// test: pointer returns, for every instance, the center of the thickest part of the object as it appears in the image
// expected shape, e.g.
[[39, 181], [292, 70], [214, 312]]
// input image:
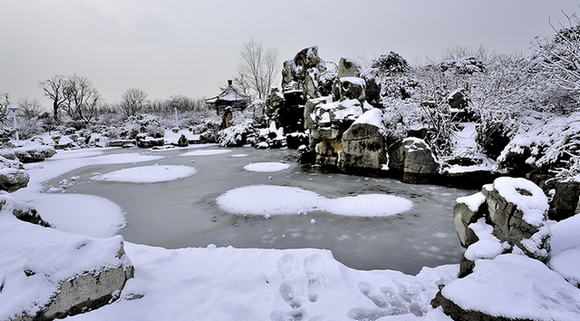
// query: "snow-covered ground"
[[241, 284]]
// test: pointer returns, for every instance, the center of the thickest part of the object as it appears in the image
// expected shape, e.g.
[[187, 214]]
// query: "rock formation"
[[12, 174], [34, 153], [415, 159], [75, 277]]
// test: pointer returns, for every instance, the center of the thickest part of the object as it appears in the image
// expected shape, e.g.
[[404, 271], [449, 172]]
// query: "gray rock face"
[[348, 67], [363, 146], [415, 158], [466, 211], [510, 217], [34, 153], [12, 175], [514, 210], [566, 200], [352, 88], [182, 141]]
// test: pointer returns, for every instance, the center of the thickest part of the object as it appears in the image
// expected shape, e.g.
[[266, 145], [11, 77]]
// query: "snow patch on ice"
[[266, 167], [206, 152], [283, 200], [148, 174]]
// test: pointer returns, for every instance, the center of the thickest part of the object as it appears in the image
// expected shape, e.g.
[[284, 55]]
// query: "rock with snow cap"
[[12, 174], [70, 278], [31, 153], [363, 144], [518, 210], [510, 287], [415, 159], [352, 88]]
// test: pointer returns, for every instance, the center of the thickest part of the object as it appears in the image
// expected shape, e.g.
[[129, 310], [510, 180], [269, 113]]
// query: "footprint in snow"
[[388, 301]]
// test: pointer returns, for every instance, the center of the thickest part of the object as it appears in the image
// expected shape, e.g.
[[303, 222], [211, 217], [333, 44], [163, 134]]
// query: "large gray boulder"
[[518, 210], [352, 88], [348, 67], [510, 287], [363, 144], [565, 202], [34, 153], [12, 174], [69, 278], [416, 160], [508, 216], [466, 211]]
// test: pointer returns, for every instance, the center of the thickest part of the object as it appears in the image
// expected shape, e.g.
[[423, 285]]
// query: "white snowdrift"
[[266, 167], [517, 287], [206, 152], [148, 174], [282, 200]]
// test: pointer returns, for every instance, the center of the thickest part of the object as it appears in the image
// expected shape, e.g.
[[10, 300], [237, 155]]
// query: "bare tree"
[[82, 98], [4, 104], [133, 101], [561, 54], [29, 107], [258, 67], [53, 89]]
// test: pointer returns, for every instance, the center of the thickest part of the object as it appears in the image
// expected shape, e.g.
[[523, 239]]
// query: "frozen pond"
[[184, 212]]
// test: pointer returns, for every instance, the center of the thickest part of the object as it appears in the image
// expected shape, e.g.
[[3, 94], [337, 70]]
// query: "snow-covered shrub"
[[390, 63], [464, 65], [236, 135], [550, 143]]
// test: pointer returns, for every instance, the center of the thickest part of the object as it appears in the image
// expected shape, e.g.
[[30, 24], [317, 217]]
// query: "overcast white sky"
[[192, 47]]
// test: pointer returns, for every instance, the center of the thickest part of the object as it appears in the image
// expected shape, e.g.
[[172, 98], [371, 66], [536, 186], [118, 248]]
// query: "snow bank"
[[80, 214], [517, 287], [266, 167], [148, 174], [283, 200]]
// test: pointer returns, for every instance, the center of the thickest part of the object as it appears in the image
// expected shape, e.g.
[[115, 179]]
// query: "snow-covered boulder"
[[12, 174], [352, 88], [235, 135], [363, 144], [510, 287], [146, 141], [348, 67], [518, 210], [415, 159], [33, 152], [23, 211], [64, 279], [466, 211], [508, 216]]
